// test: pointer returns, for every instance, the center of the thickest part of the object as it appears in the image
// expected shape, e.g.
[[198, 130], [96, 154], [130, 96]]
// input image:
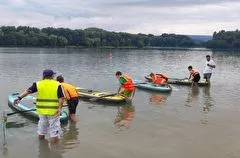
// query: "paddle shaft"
[[4, 122], [12, 113], [108, 95], [176, 78]]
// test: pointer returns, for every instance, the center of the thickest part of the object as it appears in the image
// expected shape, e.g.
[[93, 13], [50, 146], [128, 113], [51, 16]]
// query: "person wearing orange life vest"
[[126, 88], [194, 74], [71, 95], [159, 79], [48, 103]]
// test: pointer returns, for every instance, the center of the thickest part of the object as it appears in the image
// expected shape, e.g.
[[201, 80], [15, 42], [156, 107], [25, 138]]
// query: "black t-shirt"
[[33, 89]]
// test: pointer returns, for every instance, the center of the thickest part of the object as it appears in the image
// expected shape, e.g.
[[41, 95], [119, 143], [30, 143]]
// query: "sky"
[[189, 17]]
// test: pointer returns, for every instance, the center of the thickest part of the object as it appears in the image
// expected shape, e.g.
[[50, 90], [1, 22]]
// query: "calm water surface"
[[189, 122]]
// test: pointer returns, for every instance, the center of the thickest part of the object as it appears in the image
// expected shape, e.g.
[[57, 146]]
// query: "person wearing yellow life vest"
[[126, 88], [194, 74], [71, 95], [49, 101], [159, 79]]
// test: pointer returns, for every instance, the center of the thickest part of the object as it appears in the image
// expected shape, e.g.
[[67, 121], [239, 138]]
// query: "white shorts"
[[49, 124]]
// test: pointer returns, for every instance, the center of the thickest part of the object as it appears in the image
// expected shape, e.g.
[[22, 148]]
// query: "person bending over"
[[126, 88], [71, 95]]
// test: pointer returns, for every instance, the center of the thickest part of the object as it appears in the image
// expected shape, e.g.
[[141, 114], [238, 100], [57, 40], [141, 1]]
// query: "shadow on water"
[[125, 116]]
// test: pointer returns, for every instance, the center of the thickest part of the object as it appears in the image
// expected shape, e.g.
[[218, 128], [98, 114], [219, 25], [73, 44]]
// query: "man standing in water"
[[48, 103], [208, 70], [126, 88]]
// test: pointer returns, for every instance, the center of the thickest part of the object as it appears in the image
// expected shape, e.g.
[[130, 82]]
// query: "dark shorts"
[[207, 75], [196, 78], [72, 105]]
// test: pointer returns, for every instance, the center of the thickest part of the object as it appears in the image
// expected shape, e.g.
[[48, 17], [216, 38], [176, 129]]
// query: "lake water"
[[188, 122]]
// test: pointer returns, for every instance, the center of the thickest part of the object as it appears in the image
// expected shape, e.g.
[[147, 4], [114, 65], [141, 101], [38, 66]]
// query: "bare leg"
[[73, 118], [208, 81], [54, 139]]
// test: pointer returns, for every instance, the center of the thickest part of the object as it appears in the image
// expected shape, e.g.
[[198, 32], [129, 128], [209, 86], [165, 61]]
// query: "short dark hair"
[[151, 74], [60, 78], [118, 73], [190, 67], [207, 56]]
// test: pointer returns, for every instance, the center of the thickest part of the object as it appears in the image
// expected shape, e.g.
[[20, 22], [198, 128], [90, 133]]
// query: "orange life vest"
[[159, 79], [69, 91], [128, 85], [193, 72], [163, 76]]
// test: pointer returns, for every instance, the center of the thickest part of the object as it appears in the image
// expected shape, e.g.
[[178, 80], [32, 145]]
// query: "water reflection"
[[47, 150], [158, 100], [192, 97], [125, 116], [16, 124], [5, 151], [70, 136], [208, 101], [68, 141]]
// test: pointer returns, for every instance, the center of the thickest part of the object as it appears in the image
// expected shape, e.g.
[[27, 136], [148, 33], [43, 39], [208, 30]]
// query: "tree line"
[[224, 40], [95, 37], [90, 37]]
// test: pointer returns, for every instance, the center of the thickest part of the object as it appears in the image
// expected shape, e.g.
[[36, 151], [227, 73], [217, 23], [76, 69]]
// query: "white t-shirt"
[[209, 69]]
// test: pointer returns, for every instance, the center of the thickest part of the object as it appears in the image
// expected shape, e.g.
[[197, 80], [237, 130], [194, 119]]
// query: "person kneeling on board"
[[159, 79]]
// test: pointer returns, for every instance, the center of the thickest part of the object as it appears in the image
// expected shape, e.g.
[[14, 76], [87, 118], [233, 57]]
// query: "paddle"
[[176, 78], [139, 82], [16, 112], [103, 96], [4, 124]]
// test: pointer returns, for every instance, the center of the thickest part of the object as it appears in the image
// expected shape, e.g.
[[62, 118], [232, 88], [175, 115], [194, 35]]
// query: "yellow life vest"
[[70, 91], [47, 99]]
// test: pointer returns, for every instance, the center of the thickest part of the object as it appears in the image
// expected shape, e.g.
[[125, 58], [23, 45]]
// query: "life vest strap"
[[47, 107], [47, 100]]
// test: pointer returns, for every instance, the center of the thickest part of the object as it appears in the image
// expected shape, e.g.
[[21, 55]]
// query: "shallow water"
[[188, 122]]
